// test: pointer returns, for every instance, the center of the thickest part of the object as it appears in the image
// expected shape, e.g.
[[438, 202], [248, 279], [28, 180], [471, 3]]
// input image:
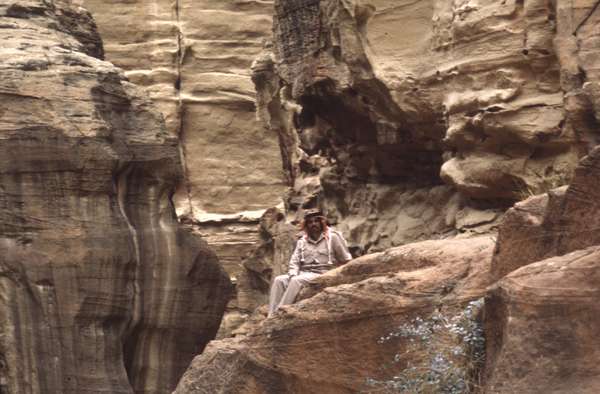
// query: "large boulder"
[[101, 290], [367, 332], [542, 314], [542, 321]]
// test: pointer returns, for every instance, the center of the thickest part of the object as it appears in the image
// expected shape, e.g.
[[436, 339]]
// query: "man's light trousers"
[[285, 289]]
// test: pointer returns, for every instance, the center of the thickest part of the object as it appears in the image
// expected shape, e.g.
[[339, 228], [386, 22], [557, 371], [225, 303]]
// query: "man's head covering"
[[314, 212]]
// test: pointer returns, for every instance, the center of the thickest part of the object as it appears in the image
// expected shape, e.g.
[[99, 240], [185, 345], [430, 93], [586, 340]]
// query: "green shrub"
[[440, 354]]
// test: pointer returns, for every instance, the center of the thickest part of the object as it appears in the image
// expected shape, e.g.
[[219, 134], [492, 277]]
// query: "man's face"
[[313, 224]]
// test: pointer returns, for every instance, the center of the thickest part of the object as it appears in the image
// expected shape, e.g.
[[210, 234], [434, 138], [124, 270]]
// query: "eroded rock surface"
[[438, 114], [101, 290], [332, 341], [197, 69], [562, 221], [541, 315], [381, 98], [539, 322]]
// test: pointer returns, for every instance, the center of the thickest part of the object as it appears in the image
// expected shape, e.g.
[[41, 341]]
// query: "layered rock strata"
[[197, 69], [378, 322], [487, 102], [539, 319], [194, 58], [101, 290]]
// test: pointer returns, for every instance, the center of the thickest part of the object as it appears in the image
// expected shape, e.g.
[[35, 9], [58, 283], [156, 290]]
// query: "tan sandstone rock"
[[197, 69], [378, 103], [101, 290], [475, 85], [541, 316]]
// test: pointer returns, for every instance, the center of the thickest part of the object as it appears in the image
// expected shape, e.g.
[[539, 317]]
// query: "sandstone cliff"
[[194, 57], [101, 290], [400, 321], [415, 120], [407, 119]]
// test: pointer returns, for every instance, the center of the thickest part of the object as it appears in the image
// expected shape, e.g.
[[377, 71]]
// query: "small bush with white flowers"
[[442, 353]]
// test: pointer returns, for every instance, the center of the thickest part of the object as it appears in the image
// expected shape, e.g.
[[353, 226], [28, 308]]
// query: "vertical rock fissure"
[[181, 110], [121, 185]]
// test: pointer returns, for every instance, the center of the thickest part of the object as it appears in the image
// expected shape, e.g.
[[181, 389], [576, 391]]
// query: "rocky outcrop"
[[540, 320], [562, 221], [541, 316], [101, 290], [395, 320], [439, 114], [350, 337]]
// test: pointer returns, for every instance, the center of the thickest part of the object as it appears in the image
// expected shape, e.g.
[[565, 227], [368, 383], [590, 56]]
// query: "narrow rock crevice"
[[181, 110]]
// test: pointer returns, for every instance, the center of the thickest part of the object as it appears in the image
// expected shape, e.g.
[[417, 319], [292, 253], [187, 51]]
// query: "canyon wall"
[[414, 125], [413, 120], [411, 319], [194, 57], [101, 289], [406, 121]]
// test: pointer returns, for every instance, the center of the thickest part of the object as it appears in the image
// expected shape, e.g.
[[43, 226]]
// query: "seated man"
[[317, 251]]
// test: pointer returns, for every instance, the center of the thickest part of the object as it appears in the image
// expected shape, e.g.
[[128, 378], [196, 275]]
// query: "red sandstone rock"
[[328, 343], [562, 221], [542, 322]]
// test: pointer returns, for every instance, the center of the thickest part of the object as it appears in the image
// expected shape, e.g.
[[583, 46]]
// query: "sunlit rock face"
[[100, 289], [194, 58]]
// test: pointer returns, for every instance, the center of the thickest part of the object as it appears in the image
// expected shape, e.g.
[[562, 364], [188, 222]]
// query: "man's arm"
[[340, 248], [295, 260]]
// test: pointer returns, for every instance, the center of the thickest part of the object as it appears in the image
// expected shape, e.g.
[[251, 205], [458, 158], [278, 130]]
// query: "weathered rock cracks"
[[101, 290], [193, 57], [378, 322], [381, 106]]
